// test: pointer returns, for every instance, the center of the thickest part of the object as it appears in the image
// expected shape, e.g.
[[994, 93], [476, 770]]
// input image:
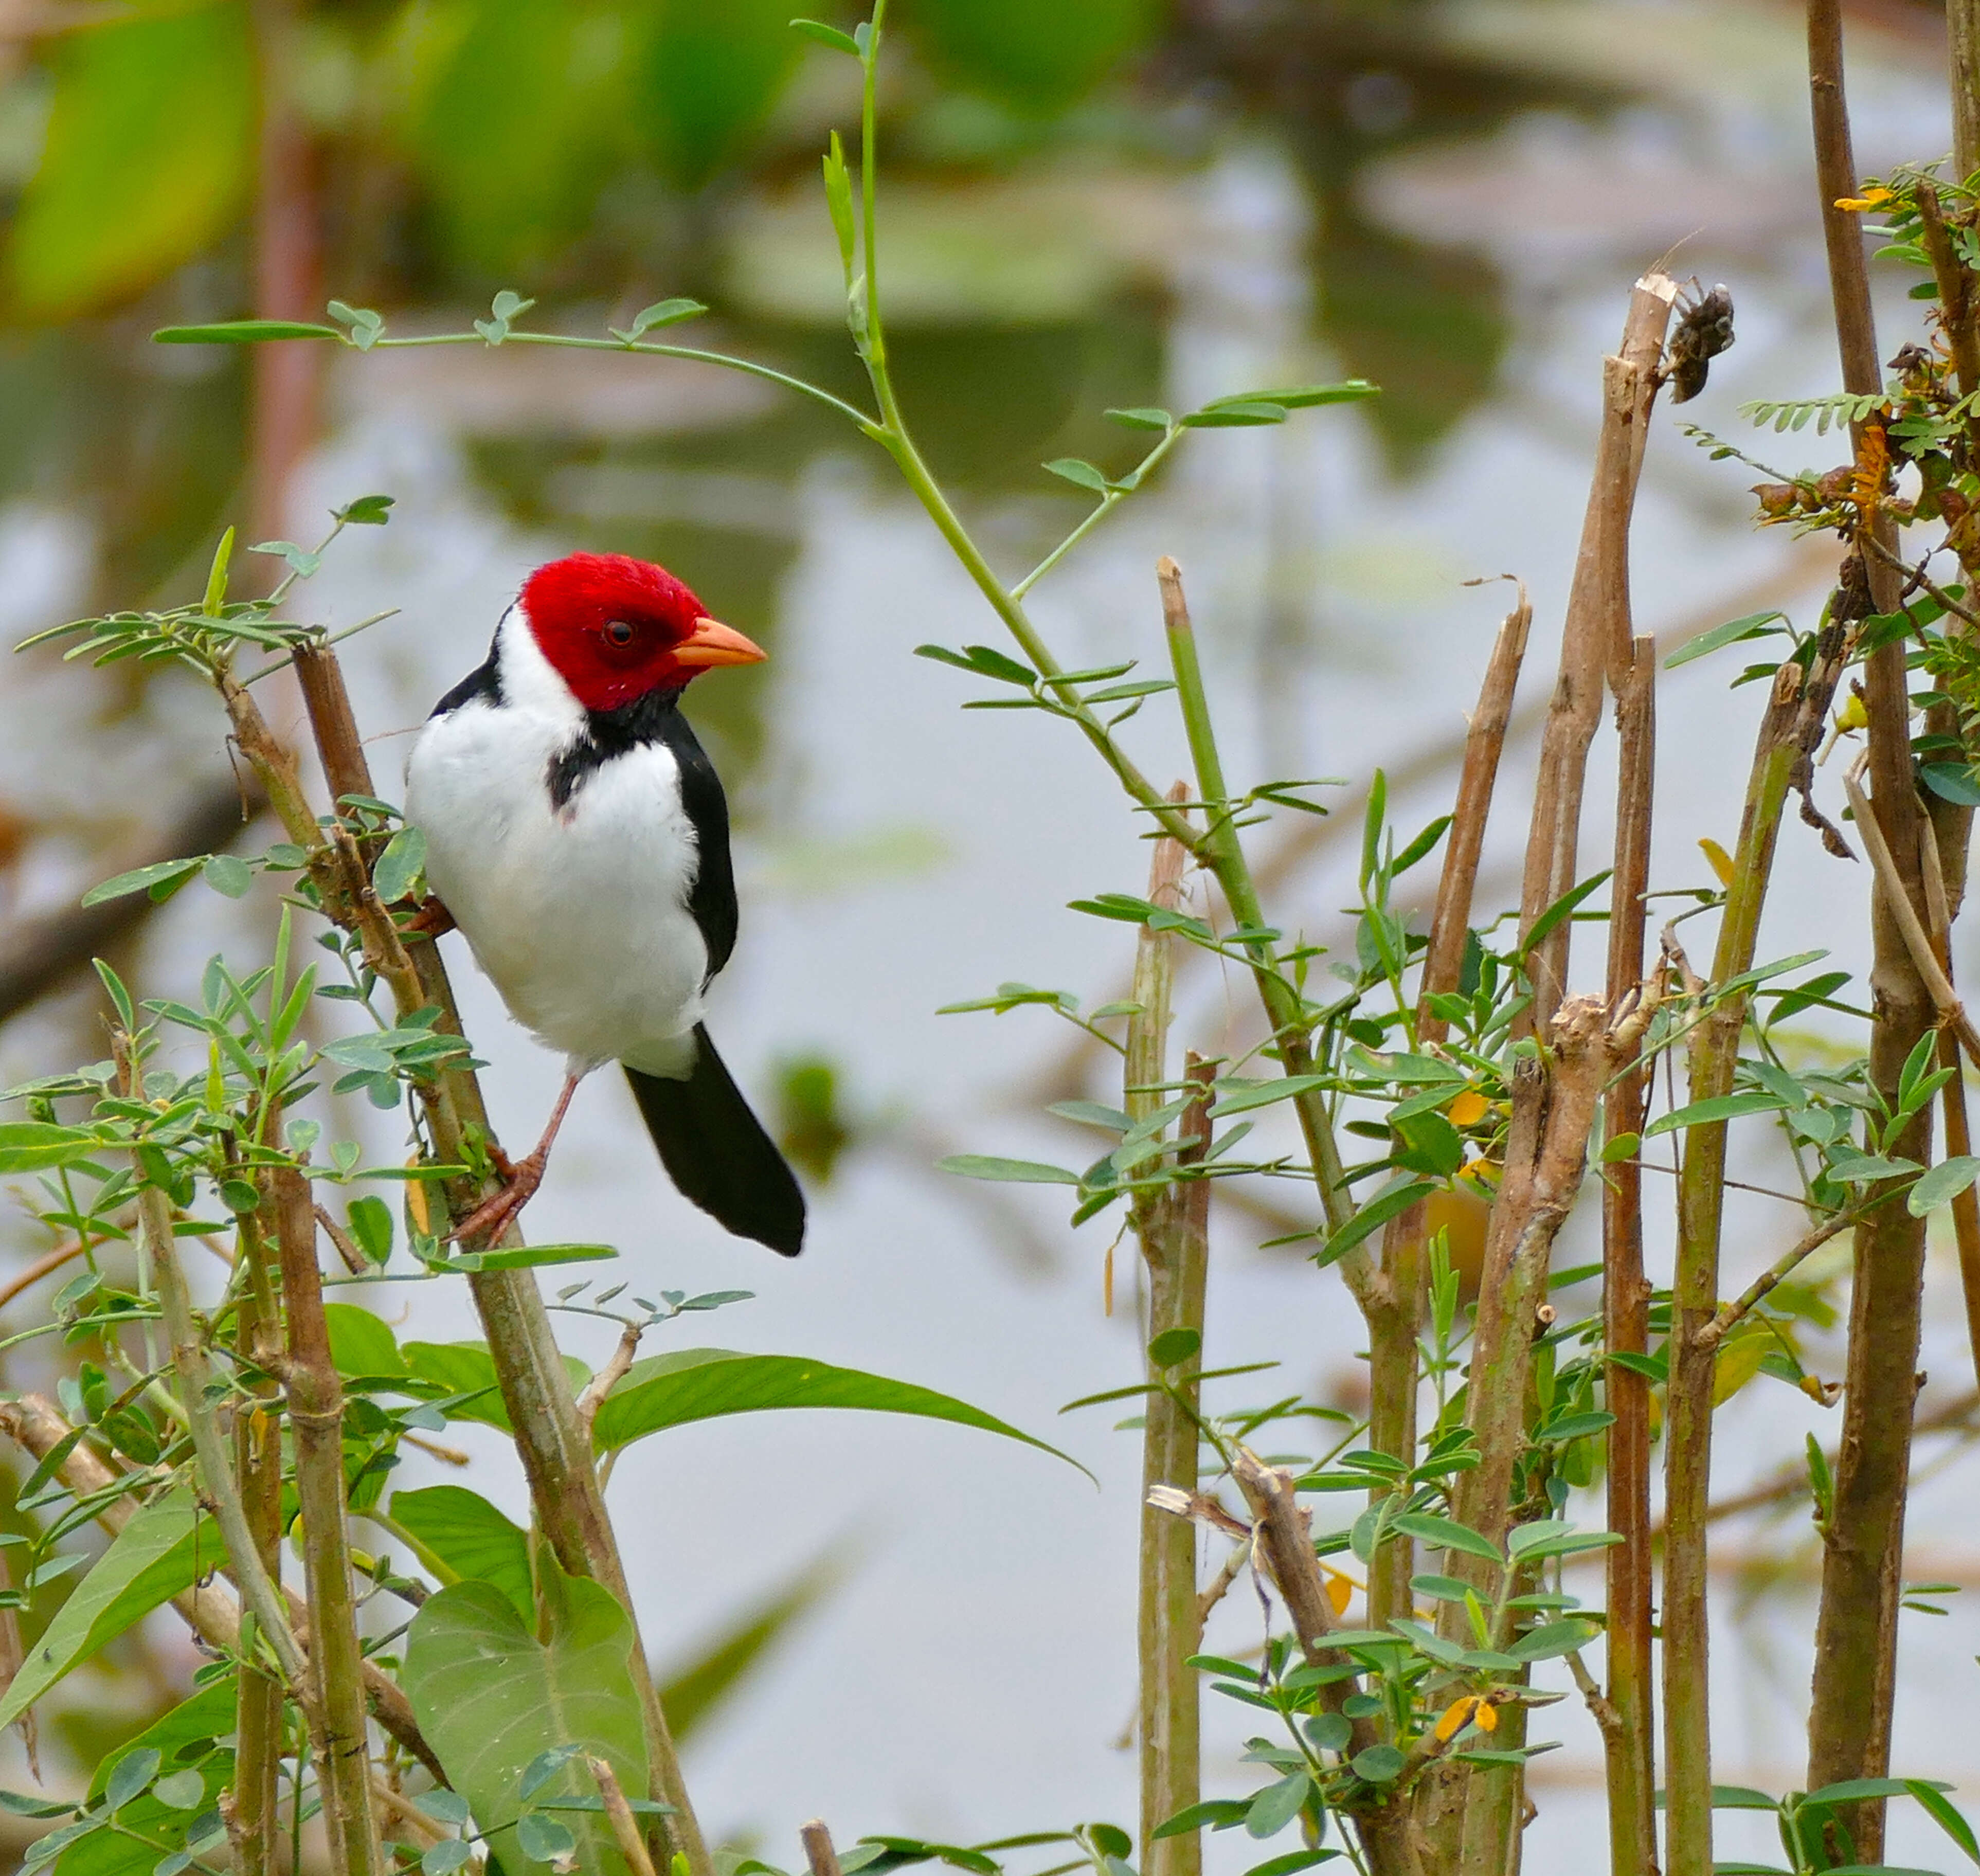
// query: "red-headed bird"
[[579, 837]]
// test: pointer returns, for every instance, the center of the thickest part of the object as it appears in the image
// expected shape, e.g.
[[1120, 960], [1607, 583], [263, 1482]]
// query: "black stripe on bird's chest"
[[656, 718]]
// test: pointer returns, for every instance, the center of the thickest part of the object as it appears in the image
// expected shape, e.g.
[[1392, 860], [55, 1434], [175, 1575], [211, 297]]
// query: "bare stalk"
[[1595, 636], [316, 1418], [1715, 1052], [1849, 1719], [552, 1438], [1283, 1537], [255, 1824], [1962, 25], [1629, 1734], [1394, 1325], [1965, 1206], [625, 1825], [1172, 1227], [1222, 851], [820, 1858]]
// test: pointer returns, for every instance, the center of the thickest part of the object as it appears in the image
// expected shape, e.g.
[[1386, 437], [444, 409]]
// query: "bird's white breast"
[[578, 914]]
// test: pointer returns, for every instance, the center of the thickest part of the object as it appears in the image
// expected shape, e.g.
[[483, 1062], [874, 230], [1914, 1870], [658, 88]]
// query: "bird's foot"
[[433, 920], [493, 1216]]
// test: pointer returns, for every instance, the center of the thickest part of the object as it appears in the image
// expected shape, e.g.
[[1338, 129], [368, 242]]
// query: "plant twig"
[[316, 1418], [1714, 1057], [1283, 1537], [1594, 636], [1713, 1332], [1965, 1204], [625, 1827], [820, 1857], [1172, 1226], [1918, 942], [1629, 1735], [1393, 1326]]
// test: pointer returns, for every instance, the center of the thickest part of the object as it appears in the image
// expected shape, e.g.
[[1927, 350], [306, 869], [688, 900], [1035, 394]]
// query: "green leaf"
[[1753, 626], [1946, 1814], [1277, 1805], [708, 1383], [838, 200], [399, 865], [1304, 396], [368, 511], [1715, 1108], [466, 1368], [1292, 1861], [1942, 1183], [145, 162], [166, 874], [185, 1789], [661, 313], [132, 1774], [359, 1344], [163, 1551], [1952, 782], [1234, 1097], [242, 332], [1141, 417], [228, 874], [1445, 1534], [1553, 1639], [208, 1715], [491, 1698], [1377, 1764], [526, 1256], [461, 1537], [1231, 415], [369, 1219], [1854, 1791], [1021, 1172], [1394, 1199], [37, 1146], [826, 35], [1219, 1814], [1562, 907], [1071, 469], [1173, 1346]]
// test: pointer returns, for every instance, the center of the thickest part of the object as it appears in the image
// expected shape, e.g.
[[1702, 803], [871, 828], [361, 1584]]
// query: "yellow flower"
[[1452, 1723], [1340, 1591], [1486, 1717], [1874, 197], [1468, 1109], [1721, 861], [1852, 716]]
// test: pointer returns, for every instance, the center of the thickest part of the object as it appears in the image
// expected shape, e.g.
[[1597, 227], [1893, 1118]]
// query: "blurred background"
[[1087, 203]]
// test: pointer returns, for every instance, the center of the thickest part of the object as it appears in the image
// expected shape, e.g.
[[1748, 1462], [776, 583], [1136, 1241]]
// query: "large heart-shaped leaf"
[[491, 1698], [706, 1383], [467, 1538]]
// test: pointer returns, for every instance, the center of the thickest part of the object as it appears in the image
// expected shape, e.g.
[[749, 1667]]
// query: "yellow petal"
[[1452, 1723], [416, 1201], [1339, 1592], [1852, 716], [1721, 861], [1487, 1717], [1468, 1109], [1874, 197]]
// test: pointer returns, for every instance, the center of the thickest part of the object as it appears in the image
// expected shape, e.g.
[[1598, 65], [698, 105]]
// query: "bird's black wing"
[[656, 718]]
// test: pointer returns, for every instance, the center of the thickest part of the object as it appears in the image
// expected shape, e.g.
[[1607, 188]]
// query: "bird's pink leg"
[[521, 1179]]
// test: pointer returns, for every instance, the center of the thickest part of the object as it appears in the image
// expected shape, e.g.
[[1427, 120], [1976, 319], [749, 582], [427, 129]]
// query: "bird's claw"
[[493, 1216], [433, 920]]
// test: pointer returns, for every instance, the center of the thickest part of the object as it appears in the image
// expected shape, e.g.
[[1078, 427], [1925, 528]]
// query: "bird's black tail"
[[716, 1150]]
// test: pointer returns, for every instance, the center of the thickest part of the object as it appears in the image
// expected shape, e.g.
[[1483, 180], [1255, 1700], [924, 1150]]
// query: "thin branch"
[[625, 1826], [1892, 893], [820, 1857], [1716, 1331], [1965, 1204]]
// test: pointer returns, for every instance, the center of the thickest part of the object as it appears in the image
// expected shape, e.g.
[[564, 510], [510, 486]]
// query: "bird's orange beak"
[[712, 643]]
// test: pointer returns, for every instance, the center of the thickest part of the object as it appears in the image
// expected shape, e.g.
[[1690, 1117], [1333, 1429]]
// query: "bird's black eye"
[[620, 632]]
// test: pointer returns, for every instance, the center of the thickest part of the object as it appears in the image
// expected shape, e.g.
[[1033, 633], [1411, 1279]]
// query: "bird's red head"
[[614, 628]]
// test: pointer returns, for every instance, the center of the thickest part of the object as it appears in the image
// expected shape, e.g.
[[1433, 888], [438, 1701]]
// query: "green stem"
[[1107, 504], [316, 1420], [1715, 1051]]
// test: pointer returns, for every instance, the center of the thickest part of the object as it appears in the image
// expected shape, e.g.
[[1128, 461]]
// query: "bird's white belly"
[[578, 914]]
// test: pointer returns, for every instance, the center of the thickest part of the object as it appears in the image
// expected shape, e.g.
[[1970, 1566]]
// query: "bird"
[[577, 835]]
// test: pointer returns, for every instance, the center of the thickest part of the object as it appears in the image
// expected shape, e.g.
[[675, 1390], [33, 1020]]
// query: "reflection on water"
[[1452, 203]]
